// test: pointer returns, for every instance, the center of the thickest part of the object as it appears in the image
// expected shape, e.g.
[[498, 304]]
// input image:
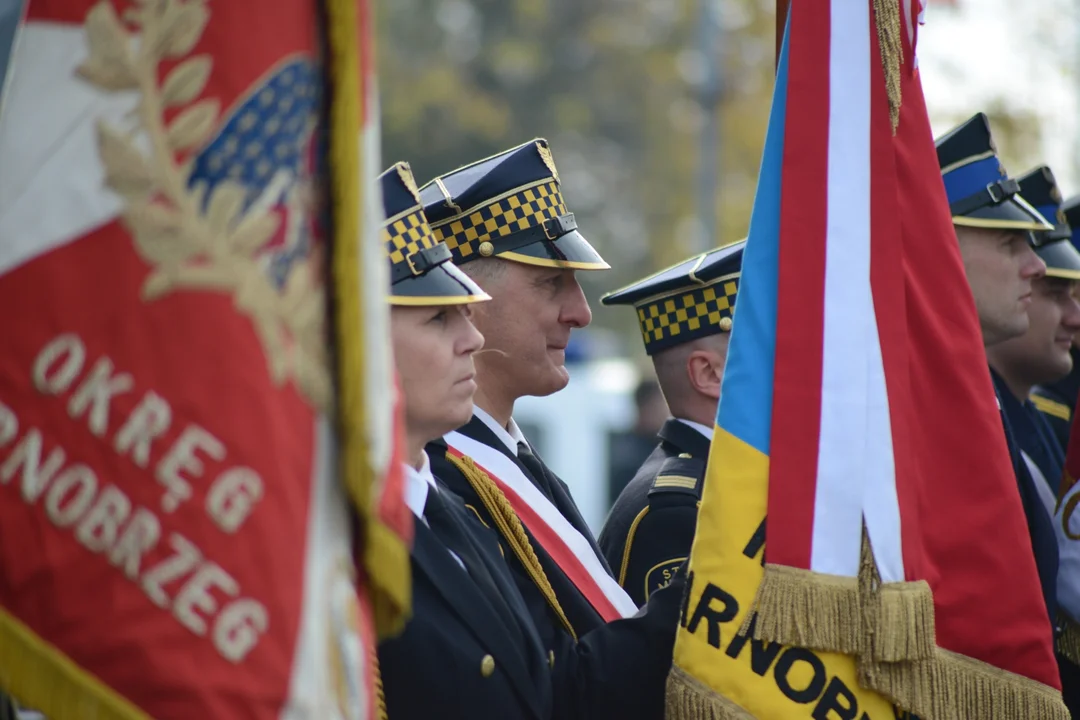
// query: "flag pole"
[[782, 7]]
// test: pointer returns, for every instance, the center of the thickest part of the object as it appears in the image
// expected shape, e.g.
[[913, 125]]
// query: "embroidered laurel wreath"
[[195, 242]]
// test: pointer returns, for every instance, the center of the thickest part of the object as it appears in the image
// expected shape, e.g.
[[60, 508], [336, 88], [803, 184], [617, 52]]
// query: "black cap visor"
[[571, 251], [1012, 214], [1061, 258], [444, 284]]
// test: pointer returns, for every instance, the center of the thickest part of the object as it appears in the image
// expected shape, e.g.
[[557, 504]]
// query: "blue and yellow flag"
[[720, 672], [871, 592]]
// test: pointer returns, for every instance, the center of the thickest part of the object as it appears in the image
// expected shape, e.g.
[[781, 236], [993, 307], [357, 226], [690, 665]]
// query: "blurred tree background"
[[623, 91]]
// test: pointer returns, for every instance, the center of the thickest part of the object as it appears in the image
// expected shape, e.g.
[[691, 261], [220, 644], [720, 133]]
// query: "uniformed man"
[[995, 228], [685, 314], [1057, 400], [1042, 354], [505, 221]]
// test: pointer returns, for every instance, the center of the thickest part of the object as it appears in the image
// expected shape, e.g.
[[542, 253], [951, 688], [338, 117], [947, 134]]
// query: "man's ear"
[[705, 369]]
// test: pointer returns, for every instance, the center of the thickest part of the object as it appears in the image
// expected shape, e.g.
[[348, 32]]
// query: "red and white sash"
[[570, 550]]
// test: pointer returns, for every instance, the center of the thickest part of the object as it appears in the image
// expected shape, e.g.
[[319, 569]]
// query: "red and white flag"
[[174, 533], [858, 441]]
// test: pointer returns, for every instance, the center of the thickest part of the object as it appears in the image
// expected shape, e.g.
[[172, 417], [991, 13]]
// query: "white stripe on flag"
[[48, 127], [842, 445], [506, 471]]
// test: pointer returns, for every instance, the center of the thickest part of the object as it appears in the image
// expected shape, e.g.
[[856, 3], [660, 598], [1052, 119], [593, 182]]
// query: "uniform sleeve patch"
[[661, 574], [680, 481]]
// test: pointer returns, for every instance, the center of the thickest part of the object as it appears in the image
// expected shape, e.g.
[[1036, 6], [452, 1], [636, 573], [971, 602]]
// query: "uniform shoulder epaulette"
[[682, 474], [1051, 407]]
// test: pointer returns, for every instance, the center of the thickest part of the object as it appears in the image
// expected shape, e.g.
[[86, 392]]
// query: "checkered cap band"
[[686, 316], [407, 235], [523, 210]]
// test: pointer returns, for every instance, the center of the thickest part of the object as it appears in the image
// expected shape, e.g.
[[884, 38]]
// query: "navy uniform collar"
[[684, 439]]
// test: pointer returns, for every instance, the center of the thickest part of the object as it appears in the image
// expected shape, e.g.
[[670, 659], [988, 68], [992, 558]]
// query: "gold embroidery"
[[545, 155], [190, 248], [890, 44]]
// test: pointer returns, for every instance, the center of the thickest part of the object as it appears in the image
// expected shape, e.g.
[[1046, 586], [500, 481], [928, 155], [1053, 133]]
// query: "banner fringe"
[[808, 609], [904, 631], [42, 678], [897, 617], [1069, 642], [690, 699], [955, 687]]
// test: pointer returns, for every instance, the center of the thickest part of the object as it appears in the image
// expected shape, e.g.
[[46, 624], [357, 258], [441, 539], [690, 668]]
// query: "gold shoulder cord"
[[510, 527]]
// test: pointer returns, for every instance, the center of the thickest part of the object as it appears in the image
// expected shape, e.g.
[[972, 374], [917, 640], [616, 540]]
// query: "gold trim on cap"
[[447, 197], [986, 223], [686, 289], [1062, 274], [436, 300], [405, 173], [546, 262], [967, 161], [545, 155]]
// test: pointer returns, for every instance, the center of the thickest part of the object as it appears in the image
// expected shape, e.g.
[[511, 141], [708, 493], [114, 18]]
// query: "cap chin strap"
[[994, 193], [549, 230], [420, 262]]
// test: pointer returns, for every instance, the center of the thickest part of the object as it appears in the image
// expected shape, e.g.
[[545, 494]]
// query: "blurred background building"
[[656, 113]]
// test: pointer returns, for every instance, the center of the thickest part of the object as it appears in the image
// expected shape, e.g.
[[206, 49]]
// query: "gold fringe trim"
[[807, 609], [386, 556], [897, 617], [890, 44], [690, 699], [904, 630], [1069, 642], [954, 687], [41, 677], [510, 527]]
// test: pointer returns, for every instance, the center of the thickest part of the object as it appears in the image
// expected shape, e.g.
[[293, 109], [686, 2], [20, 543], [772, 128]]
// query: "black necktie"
[[535, 468]]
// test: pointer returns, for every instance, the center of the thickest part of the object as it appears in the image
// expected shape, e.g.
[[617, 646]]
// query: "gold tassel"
[[891, 46], [807, 609], [1069, 642], [510, 527], [690, 699], [954, 687], [41, 677]]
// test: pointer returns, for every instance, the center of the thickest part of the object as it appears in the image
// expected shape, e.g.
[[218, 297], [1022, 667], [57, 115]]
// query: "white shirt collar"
[[703, 429], [417, 485], [510, 435]]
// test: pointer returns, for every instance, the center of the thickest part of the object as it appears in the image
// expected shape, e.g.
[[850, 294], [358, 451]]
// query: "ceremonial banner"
[[174, 532], [881, 467]]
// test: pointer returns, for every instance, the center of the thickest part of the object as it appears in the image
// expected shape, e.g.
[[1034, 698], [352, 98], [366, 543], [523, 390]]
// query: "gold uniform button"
[[486, 248], [725, 324], [487, 666], [551, 659]]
